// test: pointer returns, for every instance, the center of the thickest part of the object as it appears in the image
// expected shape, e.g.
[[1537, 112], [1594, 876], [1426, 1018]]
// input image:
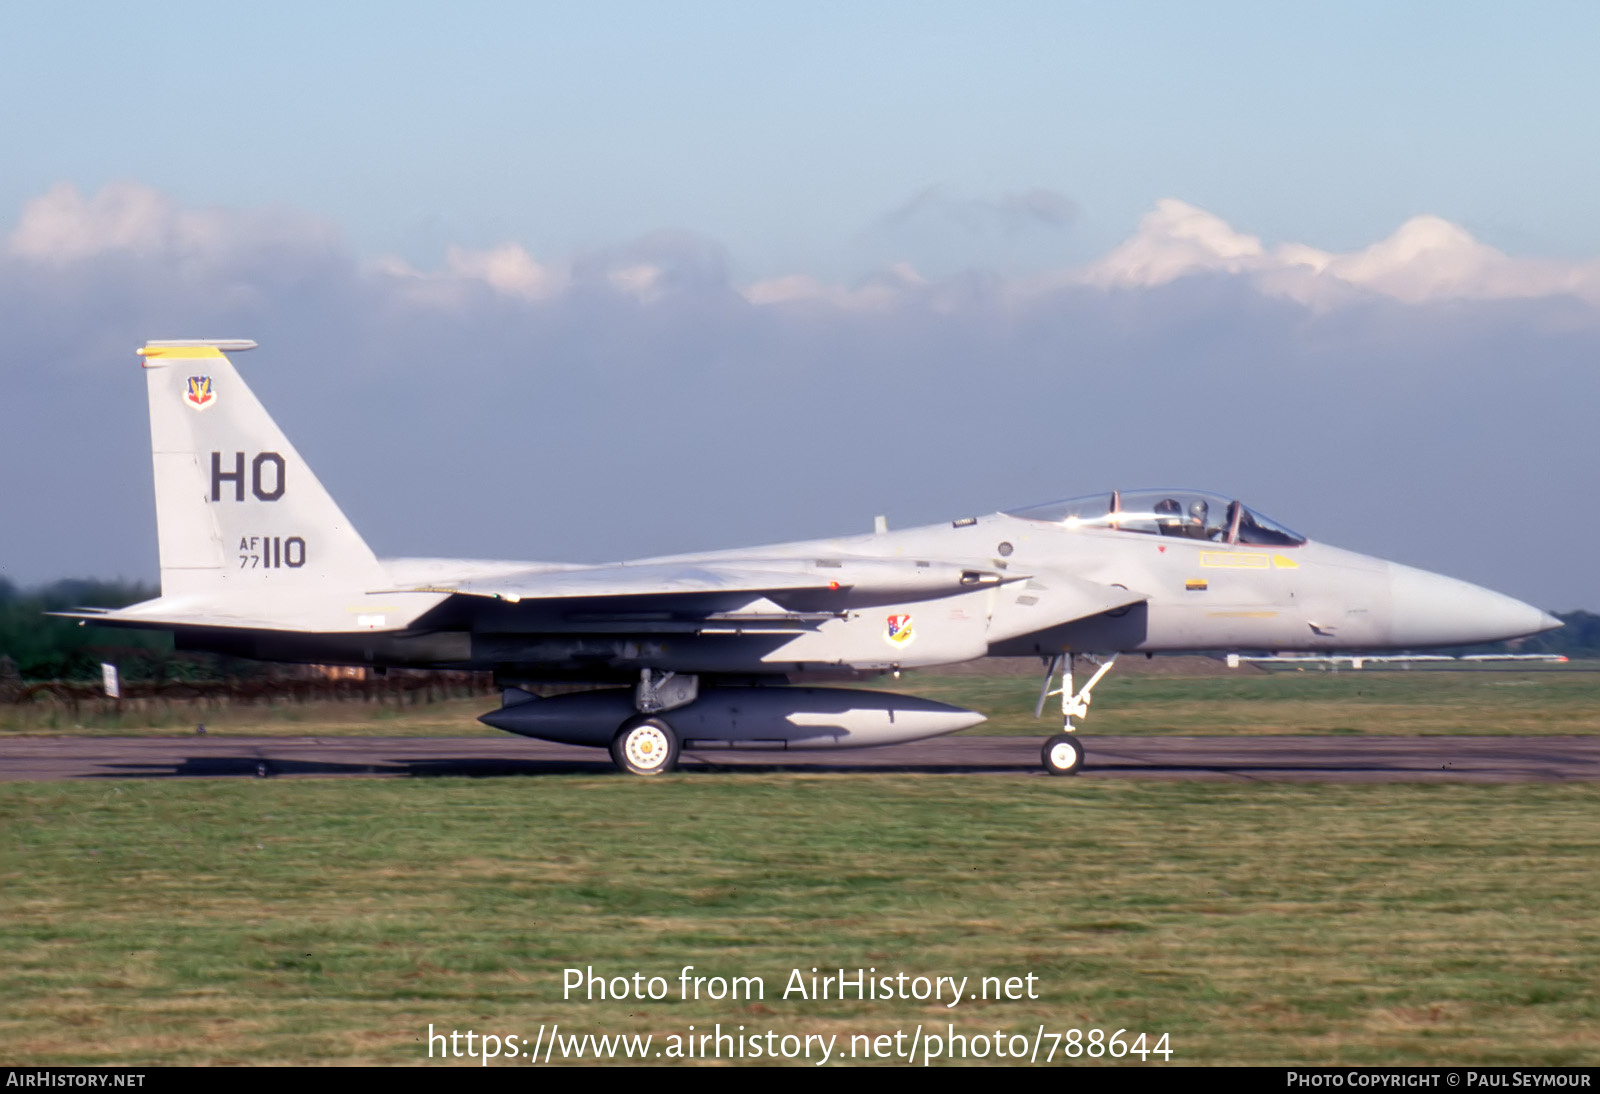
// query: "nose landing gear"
[[1063, 753]]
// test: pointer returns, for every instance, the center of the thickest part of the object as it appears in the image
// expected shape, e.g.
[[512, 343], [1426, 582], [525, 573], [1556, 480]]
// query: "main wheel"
[[1062, 754], [645, 746]]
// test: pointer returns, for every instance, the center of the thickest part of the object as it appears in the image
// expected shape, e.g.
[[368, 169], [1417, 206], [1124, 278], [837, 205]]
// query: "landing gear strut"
[[1063, 753], [647, 744]]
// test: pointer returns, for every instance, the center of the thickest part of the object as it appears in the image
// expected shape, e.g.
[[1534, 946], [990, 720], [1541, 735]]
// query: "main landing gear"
[[1063, 753], [647, 744]]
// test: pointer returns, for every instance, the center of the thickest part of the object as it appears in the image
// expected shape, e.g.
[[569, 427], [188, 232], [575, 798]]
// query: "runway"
[[1242, 759]]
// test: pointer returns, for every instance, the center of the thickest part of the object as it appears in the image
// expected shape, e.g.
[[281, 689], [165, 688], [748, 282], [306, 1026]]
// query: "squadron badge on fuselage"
[[899, 632]]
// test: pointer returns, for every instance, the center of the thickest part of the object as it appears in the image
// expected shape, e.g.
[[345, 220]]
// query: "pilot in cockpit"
[[1172, 521], [1196, 527], [1169, 517]]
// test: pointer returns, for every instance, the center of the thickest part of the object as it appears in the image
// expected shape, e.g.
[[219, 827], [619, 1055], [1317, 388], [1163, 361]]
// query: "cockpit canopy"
[[1185, 514]]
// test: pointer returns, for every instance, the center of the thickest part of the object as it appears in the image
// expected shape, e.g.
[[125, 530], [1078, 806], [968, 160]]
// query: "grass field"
[[1365, 702], [245, 921], [313, 921], [450, 718]]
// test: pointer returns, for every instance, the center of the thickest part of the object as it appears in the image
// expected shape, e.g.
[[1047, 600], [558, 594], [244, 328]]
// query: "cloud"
[[646, 269], [938, 208], [1427, 259], [508, 269], [1173, 241], [886, 288], [62, 226], [944, 233]]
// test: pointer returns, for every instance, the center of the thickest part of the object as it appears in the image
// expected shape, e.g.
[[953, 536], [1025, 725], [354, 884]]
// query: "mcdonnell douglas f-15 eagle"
[[698, 651]]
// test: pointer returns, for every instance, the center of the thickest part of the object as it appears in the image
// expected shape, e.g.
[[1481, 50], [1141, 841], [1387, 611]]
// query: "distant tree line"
[[34, 646], [1579, 638]]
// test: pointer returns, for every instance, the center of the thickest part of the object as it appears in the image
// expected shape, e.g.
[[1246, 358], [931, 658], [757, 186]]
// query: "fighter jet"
[[721, 650]]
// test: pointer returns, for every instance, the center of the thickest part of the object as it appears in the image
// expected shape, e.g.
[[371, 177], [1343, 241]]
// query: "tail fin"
[[237, 509]]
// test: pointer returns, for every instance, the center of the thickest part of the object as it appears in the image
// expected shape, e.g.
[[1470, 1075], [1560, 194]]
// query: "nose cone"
[[1433, 610]]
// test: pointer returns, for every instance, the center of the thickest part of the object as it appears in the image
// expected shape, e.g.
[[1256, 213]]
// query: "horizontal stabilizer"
[[313, 615]]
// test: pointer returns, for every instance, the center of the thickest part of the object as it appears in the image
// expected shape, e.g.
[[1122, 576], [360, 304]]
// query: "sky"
[[590, 282]]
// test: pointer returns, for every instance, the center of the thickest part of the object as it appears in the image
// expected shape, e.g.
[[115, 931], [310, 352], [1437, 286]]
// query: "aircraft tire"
[[645, 746], [1062, 754]]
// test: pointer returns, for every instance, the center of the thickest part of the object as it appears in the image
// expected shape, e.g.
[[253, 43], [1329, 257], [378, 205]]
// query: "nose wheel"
[[1062, 754], [645, 746]]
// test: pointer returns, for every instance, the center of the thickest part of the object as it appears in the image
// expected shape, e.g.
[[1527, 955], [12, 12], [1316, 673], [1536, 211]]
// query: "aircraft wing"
[[854, 580], [698, 586]]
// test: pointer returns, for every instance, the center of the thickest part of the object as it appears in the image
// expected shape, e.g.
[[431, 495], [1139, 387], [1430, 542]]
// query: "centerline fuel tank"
[[741, 717]]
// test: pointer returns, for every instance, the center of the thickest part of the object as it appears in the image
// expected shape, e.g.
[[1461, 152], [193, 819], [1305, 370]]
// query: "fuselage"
[[1202, 594], [1177, 593]]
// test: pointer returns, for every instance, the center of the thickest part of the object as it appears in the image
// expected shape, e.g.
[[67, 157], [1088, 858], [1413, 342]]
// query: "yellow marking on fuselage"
[[1234, 560], [1284, 562]]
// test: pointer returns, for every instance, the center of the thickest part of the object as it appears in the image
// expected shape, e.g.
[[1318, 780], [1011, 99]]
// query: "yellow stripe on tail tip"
[[192, 348], [177, 352]]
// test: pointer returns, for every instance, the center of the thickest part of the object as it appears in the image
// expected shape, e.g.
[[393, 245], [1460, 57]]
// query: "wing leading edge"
[[855, 580]]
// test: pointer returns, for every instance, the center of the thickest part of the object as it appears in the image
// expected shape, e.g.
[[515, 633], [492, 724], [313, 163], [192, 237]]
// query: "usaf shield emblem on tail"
[[199, 394]]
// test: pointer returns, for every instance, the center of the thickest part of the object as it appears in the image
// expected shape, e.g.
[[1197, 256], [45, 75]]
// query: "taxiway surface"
[[1305, 759]]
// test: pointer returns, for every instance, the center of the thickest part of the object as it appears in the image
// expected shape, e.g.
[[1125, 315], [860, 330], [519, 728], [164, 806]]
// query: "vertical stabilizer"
[[237, 509]]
